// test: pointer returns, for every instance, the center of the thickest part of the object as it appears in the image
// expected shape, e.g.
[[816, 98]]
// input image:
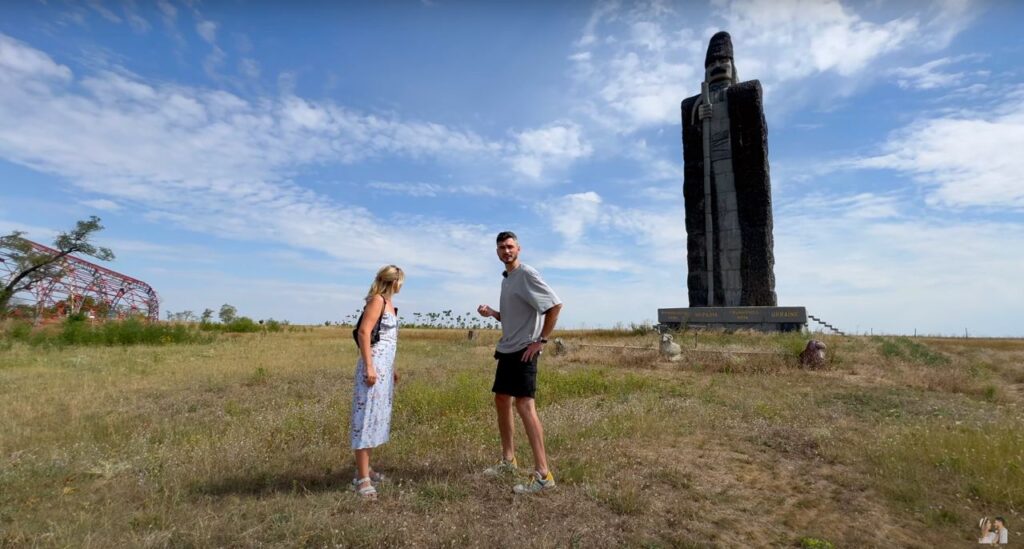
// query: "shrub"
[[131, 331], [242, 324], [19, 330]]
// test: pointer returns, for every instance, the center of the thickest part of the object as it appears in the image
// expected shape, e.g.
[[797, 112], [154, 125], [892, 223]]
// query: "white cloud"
[[896, 275], [102, 204], [653, 165], [35, 233], [408, 189], [214, 162], [638, 81], [588, 258], [306, 302], [927, 76], [169, 12], [169, 15], [793, 39], [571, 214], [249, 68], [420, 189], [207, 30], [104, 11], [17, 60], [962, 159], [653, 236], [138, 23], [862, 206], [176, 254], [634, 64], [552, 147]]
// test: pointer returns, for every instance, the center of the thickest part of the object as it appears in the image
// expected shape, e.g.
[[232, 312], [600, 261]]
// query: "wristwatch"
[[540, 340]]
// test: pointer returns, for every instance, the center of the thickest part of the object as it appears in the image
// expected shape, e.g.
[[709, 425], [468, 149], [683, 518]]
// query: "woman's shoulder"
[[375, 301]]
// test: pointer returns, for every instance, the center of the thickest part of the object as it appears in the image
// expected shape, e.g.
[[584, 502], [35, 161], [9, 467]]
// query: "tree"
[[29, 266], [207, 315], [227, 313]]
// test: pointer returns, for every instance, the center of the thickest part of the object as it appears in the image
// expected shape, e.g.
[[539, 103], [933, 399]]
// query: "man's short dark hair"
[[1002, 520], [505, 235]]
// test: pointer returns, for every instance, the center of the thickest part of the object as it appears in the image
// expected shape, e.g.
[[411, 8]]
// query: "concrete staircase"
[[826, 324]]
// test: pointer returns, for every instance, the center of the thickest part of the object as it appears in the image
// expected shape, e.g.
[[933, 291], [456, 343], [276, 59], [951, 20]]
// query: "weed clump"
[[815, 543]]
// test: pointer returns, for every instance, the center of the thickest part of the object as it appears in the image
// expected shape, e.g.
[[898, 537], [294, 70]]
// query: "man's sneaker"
[[503, 467], [540, 484]]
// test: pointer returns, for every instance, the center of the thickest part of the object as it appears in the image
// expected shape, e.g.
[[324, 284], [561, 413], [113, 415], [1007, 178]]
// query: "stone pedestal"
[[764, 319]]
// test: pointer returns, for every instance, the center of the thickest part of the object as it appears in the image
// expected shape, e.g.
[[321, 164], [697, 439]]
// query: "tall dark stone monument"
[[731, 279], [727, 189]]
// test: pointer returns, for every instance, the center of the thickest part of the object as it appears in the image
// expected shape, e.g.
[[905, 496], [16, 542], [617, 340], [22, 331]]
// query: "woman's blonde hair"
[[388, 280]]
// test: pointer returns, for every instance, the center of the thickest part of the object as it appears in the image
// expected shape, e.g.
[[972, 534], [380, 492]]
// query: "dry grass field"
[[242, 442]]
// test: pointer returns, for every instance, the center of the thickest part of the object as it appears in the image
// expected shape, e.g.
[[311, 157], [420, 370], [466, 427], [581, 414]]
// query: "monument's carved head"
[[718, 63]]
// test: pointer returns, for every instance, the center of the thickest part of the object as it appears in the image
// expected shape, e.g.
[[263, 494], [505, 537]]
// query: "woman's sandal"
[[368, 492], [375, 478]]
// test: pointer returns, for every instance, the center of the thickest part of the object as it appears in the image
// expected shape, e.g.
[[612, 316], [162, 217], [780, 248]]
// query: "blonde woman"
[[988, 537], [375, 376]]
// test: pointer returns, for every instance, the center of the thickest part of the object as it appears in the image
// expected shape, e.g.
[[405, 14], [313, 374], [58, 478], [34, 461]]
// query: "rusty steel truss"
[[81, 287]]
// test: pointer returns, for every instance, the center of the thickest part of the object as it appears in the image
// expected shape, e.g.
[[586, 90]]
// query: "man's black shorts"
[[513, 376]]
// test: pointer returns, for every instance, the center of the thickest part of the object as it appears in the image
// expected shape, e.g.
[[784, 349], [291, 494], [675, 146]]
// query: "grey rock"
[[813, 356]]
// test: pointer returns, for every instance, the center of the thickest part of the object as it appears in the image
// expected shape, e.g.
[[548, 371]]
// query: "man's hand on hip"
[[532, 350]]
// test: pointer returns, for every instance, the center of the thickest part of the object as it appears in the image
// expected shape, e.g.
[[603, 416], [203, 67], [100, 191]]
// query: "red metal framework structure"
[[83, 287]]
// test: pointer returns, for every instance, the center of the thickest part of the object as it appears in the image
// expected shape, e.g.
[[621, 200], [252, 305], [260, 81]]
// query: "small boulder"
[[813, 356]]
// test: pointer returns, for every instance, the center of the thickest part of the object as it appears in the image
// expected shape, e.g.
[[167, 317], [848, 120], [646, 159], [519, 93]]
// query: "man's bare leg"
[[534, 431], [506, 427]]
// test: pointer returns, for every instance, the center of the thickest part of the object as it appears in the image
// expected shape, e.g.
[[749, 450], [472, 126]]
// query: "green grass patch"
[[869, 404], [913, 465], [625, 499], [911, 350], [426, 401], [579, 470], [815, 543], [555, 385], [431, 493], [889, 348]]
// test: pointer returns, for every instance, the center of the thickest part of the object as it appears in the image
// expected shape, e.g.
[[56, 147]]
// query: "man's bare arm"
[[550, 319], [486, 311]]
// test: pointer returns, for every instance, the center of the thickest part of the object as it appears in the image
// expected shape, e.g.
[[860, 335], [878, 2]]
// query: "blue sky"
[[274, 155]]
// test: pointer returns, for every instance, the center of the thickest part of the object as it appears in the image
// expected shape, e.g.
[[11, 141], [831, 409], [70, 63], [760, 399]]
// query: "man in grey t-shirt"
[[529, 311]]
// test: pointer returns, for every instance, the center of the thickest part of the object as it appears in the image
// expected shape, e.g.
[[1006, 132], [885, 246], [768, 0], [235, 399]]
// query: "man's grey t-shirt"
[[525, 297]]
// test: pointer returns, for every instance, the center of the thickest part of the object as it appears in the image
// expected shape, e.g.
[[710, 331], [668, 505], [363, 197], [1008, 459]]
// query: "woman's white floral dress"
[[371, 405]]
